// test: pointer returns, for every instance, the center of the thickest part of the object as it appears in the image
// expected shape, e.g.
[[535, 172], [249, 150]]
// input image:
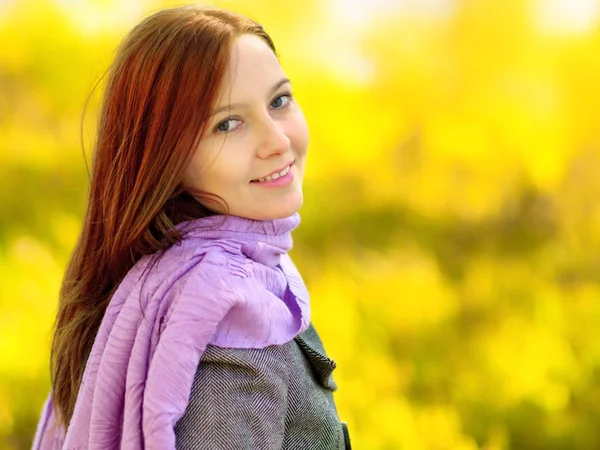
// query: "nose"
[[271, 139]]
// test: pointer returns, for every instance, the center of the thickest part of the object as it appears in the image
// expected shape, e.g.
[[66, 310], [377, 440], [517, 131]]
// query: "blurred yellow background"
[[450, 235]]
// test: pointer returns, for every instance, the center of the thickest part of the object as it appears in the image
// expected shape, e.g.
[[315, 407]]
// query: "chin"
[[282, 215], [278, 214], [275, 212]]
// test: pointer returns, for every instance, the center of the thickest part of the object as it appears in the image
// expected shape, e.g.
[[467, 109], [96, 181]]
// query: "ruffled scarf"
[[229, 282]]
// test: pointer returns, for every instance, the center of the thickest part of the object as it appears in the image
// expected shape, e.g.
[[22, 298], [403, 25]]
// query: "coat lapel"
[[322, 366]]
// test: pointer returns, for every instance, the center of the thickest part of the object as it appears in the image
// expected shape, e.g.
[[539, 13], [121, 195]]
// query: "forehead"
[[252, 68]]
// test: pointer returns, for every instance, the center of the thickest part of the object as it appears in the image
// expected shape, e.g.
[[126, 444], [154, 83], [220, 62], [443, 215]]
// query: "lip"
[[276, 171]]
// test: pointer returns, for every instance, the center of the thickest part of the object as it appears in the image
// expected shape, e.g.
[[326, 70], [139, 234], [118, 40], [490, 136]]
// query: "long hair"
[[160, 90]]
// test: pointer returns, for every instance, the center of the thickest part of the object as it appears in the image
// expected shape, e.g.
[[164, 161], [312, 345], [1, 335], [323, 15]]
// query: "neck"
[[261, 240]]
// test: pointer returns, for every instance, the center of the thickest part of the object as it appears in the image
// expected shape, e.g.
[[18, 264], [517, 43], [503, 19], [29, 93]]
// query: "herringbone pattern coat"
[[278, 397]]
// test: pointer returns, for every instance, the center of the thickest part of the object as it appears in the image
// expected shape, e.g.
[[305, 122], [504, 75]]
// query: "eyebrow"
[[238, 105]]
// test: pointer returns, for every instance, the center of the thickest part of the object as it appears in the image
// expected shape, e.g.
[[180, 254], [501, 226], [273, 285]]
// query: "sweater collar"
[[263, 241]]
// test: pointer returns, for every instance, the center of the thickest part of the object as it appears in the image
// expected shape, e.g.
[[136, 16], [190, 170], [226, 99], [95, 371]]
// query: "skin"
[[262, 132]]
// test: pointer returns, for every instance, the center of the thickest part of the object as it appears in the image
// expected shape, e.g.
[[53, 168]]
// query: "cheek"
[[191, 172], [298, 134], [198, 172], [228, 171]]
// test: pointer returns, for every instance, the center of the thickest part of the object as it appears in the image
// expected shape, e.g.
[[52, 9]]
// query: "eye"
[[225, 126], [283, 101]]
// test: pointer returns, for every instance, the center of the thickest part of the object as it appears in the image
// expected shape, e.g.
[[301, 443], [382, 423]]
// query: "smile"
[[275, 175]]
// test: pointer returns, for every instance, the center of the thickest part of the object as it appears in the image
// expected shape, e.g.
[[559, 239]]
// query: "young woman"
[[183, 323]]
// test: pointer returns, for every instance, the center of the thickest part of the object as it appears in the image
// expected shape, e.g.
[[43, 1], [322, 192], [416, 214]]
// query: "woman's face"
[[256, 130]]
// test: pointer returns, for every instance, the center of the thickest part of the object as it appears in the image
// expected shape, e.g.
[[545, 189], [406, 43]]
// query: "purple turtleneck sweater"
[[229, 284]]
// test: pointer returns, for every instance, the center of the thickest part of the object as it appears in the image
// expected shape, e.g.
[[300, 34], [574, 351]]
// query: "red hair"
[[161, 88]]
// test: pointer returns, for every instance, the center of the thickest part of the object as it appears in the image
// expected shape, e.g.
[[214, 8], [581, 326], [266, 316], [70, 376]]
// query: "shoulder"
[[189, 282], [214, 264], [202, 283]]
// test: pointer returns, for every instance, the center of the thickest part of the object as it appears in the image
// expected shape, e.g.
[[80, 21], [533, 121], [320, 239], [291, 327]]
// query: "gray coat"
[[278, 397]]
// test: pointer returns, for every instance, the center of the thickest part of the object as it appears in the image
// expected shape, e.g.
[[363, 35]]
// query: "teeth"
[[276, 175]]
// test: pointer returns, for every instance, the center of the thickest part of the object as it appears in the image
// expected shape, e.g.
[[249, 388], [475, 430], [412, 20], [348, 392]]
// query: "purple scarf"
[[233, 286]]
